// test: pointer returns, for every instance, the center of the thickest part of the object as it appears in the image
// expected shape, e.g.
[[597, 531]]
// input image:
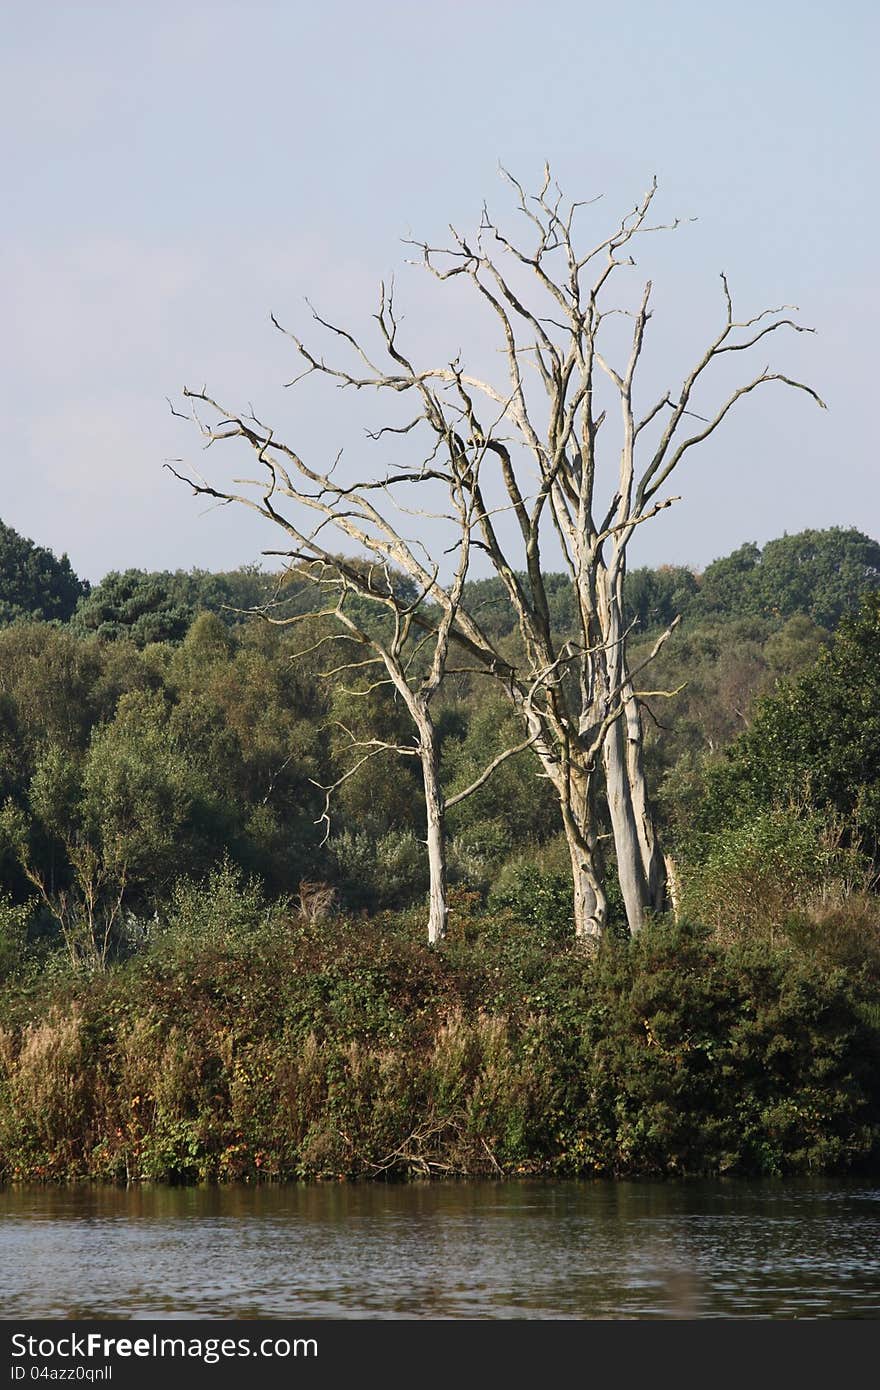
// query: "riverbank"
[[283, 1049]]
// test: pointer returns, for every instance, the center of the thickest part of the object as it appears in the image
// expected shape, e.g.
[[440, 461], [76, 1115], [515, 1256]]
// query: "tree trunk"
[[640, 864], [590, 901], [673, 886], [653, 859], [438, 907], [630, 870]]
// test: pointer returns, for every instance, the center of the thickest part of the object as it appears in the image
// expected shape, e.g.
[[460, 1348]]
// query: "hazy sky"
[[175, 172]]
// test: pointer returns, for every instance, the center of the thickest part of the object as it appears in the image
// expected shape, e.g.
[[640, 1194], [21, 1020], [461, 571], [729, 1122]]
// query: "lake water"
[[463, 1250]]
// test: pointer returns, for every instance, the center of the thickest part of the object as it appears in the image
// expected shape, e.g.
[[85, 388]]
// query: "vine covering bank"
[[347, 1049]]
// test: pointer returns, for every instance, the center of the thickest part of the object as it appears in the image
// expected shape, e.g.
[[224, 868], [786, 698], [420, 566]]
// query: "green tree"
[[103, 828], [54, 684], [135, 604], [822, 574], [815, 742], [159, 605], [656, 597], [251, 720], [727, 585], [512, 810], [33, 582]]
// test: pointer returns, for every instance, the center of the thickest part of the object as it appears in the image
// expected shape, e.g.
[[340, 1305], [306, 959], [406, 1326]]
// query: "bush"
[[696, 1059], [477, 853], [388, 872], [758, 872], [14, 921], [843, 934], [535, 898], [342, 1048], [222, 909]]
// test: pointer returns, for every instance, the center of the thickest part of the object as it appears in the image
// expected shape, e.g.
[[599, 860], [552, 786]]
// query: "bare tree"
[[413, 649], [541, 429], [414, 657], [561, 338]]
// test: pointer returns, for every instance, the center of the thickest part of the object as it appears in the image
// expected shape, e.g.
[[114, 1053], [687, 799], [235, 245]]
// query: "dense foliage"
[[814, 742], [255, 1042], [160, 606], [202, 978], [33, 583], [819, 573]]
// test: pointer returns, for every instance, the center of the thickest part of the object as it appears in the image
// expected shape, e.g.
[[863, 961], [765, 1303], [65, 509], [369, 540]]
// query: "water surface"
[[460, 1250]]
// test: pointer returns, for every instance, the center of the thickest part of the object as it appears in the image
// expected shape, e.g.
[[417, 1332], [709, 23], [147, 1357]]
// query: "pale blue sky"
[[175, 172]]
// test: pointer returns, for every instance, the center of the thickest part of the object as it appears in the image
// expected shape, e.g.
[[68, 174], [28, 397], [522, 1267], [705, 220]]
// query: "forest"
[[213, 962]]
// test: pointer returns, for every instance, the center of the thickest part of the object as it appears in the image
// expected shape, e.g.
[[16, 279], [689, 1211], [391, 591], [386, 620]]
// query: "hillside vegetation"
[[198, 981]]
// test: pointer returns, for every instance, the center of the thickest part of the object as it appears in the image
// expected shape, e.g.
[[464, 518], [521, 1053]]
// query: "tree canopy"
[[820, 573], [33, 582], [814, 743]]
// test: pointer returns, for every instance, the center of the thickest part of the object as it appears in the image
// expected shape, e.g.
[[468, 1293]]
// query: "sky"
[[176, 172]]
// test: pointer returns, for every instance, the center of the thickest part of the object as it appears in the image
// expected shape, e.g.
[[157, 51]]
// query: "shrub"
[[696, 1059], [348, 1049], [388, 872], [14, 921], [224, 908], [758, 872], [535, 898]]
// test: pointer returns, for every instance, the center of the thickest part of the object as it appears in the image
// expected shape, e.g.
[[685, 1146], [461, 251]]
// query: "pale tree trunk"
[[652, 857], [438, 907], [673, 887], [640, 866], [590, 901], [630, 868]]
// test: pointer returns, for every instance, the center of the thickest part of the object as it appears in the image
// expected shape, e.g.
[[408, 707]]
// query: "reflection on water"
[[464, 1250]]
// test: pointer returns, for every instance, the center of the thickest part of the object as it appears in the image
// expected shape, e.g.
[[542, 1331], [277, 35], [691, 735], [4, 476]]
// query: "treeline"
[[207, 969], [163, 727], [820, 575]]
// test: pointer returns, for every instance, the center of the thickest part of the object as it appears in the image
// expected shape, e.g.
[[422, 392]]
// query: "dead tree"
[[414, 654], [532, 445], [414, 648], [555, 321]]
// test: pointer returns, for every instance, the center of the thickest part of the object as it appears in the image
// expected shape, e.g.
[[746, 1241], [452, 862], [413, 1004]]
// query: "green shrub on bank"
[[701, 1058], [302, 1045], [753, 875], [13, 935]]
